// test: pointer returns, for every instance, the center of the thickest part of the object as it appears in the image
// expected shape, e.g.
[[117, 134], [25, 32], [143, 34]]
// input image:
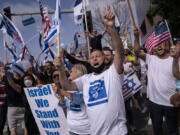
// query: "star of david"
[[131, 84]]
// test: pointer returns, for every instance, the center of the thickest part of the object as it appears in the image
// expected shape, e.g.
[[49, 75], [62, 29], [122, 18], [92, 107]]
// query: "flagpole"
[[171, 41], [57, 15], [131, 14], [58, 45], [88, 41], [5, 49]]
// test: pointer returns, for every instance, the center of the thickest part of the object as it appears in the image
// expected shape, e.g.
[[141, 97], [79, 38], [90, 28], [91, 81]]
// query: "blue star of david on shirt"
[[97, 93]]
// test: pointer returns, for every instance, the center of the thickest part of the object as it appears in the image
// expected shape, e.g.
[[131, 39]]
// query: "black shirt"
[[14, 98], [76, 61], [95, 42]]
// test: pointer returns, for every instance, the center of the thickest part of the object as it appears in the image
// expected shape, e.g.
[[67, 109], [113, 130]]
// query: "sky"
[[68, 28]]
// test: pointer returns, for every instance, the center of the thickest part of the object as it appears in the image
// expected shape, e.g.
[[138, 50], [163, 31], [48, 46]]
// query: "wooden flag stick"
[[171, 41], [131, 14], [88, 41], [58, 44]]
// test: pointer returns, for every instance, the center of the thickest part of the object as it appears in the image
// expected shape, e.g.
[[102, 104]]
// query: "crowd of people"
[[90, 93]]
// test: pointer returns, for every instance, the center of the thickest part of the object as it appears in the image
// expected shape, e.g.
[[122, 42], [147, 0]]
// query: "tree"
[[168, 9]]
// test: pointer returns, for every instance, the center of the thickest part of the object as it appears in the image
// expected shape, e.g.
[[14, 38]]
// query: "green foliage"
[[170, 10]]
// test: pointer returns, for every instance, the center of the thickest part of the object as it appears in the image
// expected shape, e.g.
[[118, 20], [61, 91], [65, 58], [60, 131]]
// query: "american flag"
[[158, 36], [45, 20]]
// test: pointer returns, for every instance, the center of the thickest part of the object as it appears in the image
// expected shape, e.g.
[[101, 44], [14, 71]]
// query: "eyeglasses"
[[55, 76]]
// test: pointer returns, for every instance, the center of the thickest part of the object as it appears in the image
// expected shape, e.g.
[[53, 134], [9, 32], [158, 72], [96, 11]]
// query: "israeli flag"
[[131, 85], [11, 29], [78, 12]]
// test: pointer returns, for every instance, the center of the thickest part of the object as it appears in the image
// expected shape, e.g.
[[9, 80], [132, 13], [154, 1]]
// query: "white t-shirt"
[[77, 119], [161, 82], [104, 101]]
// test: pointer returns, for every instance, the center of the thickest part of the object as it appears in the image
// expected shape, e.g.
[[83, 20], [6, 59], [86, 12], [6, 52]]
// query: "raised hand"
[[109, 17], [174, 51], [58, 62]]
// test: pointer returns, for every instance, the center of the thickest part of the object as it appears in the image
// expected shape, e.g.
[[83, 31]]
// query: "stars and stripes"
[[158, 36], [45, 20]]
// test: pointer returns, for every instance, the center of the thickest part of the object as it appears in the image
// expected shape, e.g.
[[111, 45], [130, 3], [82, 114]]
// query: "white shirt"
[[161, 82], [77, 119], [104, 101]]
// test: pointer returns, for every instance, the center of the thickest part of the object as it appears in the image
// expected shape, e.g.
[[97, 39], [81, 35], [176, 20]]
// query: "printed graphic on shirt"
[[75, 107], [97, 93]]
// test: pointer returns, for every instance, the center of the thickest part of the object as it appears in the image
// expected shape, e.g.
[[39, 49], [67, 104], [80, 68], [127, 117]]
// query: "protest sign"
[[48, 115]]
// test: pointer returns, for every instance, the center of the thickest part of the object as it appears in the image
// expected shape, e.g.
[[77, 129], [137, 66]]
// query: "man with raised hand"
[[102, 89], [161, 86]]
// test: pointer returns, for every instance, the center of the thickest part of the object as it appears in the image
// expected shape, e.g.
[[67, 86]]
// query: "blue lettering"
[[40, 91], [37, 113], [45, 90], [47, 114], [29, 92], [42, 103], [50, 124], [49, 89], [52, 133]]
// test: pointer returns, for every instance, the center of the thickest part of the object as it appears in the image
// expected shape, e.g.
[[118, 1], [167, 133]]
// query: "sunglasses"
[[55, 76]]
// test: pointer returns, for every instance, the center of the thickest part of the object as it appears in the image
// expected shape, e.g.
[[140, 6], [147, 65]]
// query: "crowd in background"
[[90, 92]]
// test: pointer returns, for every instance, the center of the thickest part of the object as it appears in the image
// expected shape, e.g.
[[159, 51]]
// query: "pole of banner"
[[58, 44], [171, 41], [131, 13], [88, 41], [5, 49]]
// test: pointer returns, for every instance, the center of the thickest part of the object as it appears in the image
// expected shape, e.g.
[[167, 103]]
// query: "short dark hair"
[[107, 49], [50, 62], [92, 50]]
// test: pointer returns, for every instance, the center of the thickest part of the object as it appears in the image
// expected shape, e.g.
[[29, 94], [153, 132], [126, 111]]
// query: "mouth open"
[[96, 64]]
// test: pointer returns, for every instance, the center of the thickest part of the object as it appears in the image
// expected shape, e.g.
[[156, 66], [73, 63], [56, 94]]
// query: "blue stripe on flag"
[[1, 25], [77, 2], [50, 36], [130, 74], [139, 87], [11, 51], [19, 68]]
